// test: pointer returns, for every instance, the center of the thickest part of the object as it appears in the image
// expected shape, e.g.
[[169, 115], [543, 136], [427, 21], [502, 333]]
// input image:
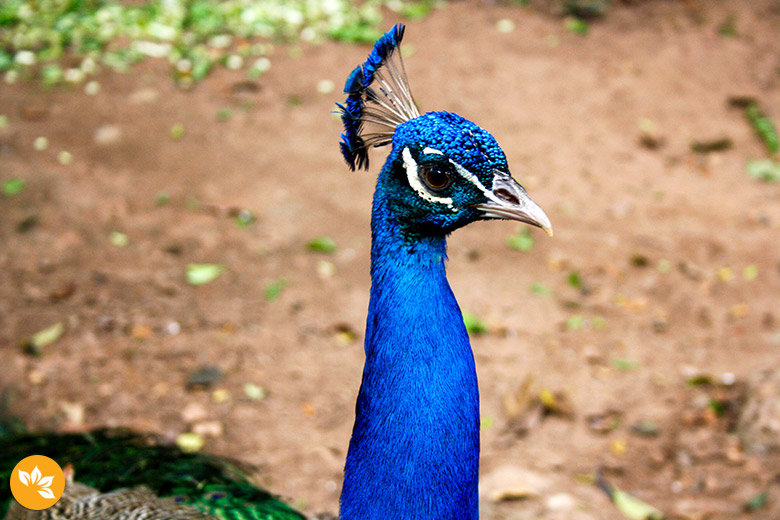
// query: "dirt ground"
[[660, 239]]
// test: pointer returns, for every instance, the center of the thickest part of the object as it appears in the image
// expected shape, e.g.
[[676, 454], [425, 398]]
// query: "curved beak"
[[508, 200]]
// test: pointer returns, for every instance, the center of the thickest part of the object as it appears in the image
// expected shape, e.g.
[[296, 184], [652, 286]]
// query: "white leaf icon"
[[46, 493], [24, 477], [35, 476], [45, 482]]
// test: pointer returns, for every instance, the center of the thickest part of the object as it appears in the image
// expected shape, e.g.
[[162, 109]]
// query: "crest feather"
[[386, 105]]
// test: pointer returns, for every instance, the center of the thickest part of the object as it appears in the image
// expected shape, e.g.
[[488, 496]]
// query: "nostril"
[[503, 193]]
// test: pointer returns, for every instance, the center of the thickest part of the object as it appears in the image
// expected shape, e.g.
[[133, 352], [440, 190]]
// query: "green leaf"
[[323, 244], [633, 508], [576, 322], [624, 364], [118, 239], [750, 272], [574, 280], [13, 187], [474, 325], [190, 442], [162, 198], [200, 274], [254, 392], [539, 289], [177, 131], [44, 338], [522, 241], [223, 114], [245, 218], [757, 502], [764, 170], [764, 127], [275, 288], [577, 26]]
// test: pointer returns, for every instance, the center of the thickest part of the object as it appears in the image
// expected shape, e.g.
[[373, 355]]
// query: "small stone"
[[172, 328], [107, 135], [64, 157], [561, 502], [144, 95], [208, 429], [194, 412], [505, 26], [36, 377], [325, 86], [254, 392], [220, 395], [74, 413], [204, 377], [41, 143], [92, 88]]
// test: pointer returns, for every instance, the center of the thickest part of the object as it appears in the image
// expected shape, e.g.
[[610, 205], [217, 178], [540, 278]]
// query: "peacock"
[[414, 450]]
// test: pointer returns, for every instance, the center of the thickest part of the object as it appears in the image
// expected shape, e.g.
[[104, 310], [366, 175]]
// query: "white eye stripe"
[[412, 176], [473, 179], [431, 151]]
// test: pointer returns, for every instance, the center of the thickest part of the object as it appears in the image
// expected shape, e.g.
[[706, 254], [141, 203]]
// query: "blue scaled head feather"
[[386, 104], [443, 171]]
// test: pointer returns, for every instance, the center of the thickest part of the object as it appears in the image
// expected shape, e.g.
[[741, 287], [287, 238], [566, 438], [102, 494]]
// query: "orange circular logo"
[[37, 482]]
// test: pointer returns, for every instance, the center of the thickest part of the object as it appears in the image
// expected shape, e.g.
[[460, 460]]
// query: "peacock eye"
[[436, 177]]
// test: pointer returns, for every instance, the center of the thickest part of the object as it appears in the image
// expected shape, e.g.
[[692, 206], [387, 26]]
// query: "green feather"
[[115, 458]]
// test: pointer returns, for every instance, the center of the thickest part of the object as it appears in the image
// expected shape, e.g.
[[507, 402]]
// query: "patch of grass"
[[67, 41]]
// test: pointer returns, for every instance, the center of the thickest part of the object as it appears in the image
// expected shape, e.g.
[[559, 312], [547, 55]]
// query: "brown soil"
[[565, 109]]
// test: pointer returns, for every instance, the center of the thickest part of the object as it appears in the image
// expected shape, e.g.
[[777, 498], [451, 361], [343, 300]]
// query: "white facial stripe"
[[414, 181], [428, 150], [473, 179]]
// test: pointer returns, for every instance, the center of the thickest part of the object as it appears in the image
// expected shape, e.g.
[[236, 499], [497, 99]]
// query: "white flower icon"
[[35, 478]]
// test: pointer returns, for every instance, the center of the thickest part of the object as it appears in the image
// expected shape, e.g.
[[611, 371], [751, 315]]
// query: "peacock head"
[[443, 171]]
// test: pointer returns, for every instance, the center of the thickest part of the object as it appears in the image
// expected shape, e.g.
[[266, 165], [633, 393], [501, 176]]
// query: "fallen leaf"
[[321, 244], [201, 274], [44, 338], [190, 442]]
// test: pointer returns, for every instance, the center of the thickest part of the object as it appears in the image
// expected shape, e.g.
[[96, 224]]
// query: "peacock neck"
[[414, 452]]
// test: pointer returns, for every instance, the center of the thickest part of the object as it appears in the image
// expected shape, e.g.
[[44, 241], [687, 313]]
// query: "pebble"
[[561, 502], [144, 95], [194, 412], [208, 429], [107, 135]]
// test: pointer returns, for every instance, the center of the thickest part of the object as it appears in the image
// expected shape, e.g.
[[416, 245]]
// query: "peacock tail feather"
[[144, 468]]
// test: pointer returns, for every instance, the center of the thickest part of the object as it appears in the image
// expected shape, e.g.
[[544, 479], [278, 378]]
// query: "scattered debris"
[[254, 392], [720, 144], [13, 187], [204, 377], [765, 170], [521, 241], [43, 338], [605, 422], [274, 289], [474, 324], [190, 442], [628, 505], [201, 274], [322, 244]]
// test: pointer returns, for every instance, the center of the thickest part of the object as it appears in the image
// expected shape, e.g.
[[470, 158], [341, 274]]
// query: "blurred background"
[[184, 251]]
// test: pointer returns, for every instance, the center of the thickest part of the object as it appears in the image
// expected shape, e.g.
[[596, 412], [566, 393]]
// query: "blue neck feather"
[[414, 452]]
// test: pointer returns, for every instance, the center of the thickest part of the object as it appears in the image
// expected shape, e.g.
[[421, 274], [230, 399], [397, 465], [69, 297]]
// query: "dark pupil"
[[437, 179]]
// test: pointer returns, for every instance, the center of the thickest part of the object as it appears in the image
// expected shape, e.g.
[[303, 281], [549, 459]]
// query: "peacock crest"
[[385, 105]]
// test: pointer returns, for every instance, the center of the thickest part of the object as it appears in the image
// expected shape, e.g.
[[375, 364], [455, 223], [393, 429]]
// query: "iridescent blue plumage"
[[414, 451]]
